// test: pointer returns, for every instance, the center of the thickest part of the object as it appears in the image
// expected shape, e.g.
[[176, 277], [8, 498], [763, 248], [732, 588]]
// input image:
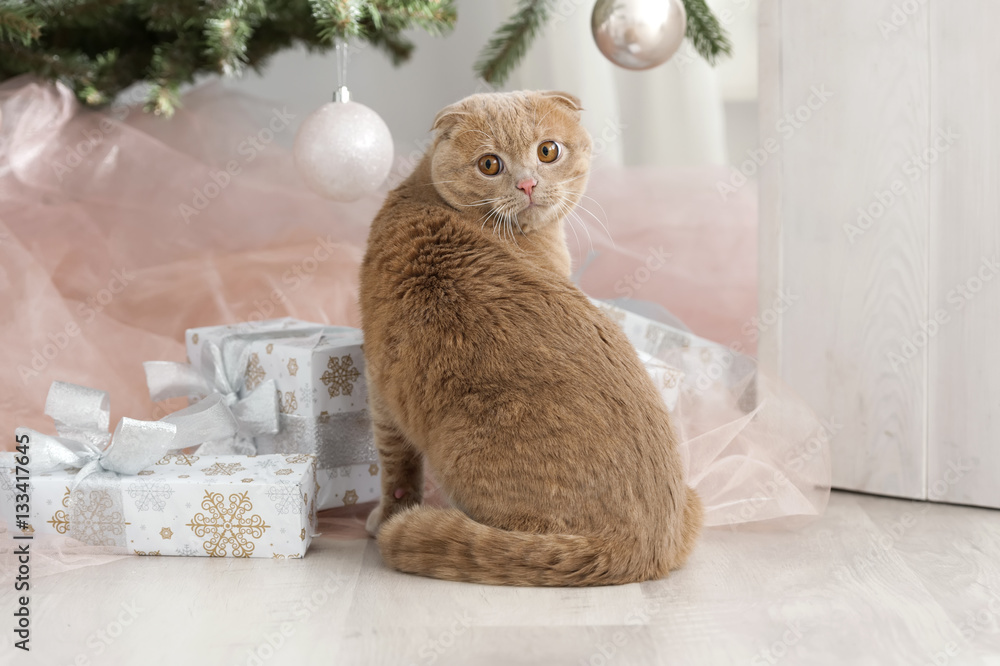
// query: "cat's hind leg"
[[402, 466]]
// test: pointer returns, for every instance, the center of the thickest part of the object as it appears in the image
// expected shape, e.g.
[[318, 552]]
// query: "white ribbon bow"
[[82, 416], [256, 414]]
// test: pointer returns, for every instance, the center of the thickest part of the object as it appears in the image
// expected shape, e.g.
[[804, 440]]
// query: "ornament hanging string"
[[341, 94]]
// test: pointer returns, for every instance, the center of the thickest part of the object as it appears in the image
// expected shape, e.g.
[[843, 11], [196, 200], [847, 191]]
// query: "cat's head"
[[518, 158]]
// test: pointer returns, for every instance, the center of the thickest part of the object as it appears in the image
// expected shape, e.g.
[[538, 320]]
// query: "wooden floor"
[[876, 581]]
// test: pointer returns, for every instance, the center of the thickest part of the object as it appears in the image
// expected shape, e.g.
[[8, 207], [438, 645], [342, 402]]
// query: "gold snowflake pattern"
[[60, 521], [144, 553], [324, 417], [284, 472], [146, 472], [298, 458], [293, 367], [277, 556], [228, 526], [373, 469], [224, 469], [302, 534], [184, 476], [269, 348], [177, 459], [166, 533], [340, 376], [255, 373], [246, 480], [350, 497], [194, 339], [289, 403]]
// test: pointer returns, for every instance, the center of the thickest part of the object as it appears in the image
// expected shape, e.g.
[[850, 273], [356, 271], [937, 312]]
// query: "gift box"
[[135, 491], [215, 506], [295, 387], [679, 360]]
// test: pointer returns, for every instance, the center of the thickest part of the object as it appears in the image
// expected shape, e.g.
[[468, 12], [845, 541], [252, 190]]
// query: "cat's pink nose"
[[527, 185]]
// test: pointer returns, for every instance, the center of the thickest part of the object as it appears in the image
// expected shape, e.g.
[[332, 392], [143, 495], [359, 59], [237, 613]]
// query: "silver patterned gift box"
[[678, 359], [316, 373], [216, 506]]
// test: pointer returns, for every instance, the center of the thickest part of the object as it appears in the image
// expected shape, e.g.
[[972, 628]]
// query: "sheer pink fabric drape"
[[119, 230]]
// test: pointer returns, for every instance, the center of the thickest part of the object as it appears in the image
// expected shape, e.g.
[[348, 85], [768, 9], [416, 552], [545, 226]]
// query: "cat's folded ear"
[[446, 120], [570, 101]]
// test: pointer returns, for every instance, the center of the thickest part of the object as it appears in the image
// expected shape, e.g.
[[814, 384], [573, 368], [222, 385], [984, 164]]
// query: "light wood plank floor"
[[876, 581]]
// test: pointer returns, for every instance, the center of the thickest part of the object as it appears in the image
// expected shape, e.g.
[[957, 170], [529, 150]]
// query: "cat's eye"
[[548, 151], [490, 165]]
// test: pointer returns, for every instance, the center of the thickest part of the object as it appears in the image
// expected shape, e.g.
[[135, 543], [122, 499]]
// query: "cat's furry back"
[[532, 407]]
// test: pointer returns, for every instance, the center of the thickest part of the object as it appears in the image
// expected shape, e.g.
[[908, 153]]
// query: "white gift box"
[[215, 506], [318, 374]]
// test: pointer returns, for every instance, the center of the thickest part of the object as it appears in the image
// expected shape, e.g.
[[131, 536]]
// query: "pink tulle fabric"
[[119, 230]]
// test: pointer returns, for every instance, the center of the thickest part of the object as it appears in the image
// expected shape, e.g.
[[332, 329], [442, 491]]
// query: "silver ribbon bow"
[[221, 376], [82, 416]]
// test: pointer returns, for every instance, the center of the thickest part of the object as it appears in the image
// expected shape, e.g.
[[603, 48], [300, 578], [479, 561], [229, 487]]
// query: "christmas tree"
[[100, 47]]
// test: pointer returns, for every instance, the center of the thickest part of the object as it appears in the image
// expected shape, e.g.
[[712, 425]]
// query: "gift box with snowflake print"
[[215, 506], [318, 375], [679, 360]]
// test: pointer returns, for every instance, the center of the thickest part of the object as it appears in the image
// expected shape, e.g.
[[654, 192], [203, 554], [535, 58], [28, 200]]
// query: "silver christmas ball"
[[343, 151], [638, 34]]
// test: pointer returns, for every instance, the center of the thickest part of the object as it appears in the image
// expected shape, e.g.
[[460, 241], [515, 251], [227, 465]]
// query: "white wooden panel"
[[964, 361], [857, 291]]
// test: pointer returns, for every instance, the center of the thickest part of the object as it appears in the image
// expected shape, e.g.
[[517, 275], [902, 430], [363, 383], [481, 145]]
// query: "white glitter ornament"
[[638, 34], [344, 149]]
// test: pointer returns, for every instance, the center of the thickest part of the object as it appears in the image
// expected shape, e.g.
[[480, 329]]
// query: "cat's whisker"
[[570, 180], [598, 220], [571, 212], [563, 206], [480, 203], [579, 219], [588, 211]]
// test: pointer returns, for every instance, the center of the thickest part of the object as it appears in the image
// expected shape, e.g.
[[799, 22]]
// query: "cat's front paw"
[[375, 519]]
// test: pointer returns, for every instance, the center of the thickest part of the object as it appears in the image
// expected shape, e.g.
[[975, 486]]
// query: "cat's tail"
[[446, 543]]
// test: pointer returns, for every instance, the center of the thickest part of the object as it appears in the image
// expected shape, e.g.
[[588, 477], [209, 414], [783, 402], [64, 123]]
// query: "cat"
[[532, 408]]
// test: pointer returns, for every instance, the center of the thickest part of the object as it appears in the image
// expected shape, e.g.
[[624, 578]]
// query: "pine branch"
[[19, 23], [704, 31], [511, 41]]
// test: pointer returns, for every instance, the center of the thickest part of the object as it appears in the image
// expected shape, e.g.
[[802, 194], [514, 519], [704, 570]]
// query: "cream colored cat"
[[483, 359]]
